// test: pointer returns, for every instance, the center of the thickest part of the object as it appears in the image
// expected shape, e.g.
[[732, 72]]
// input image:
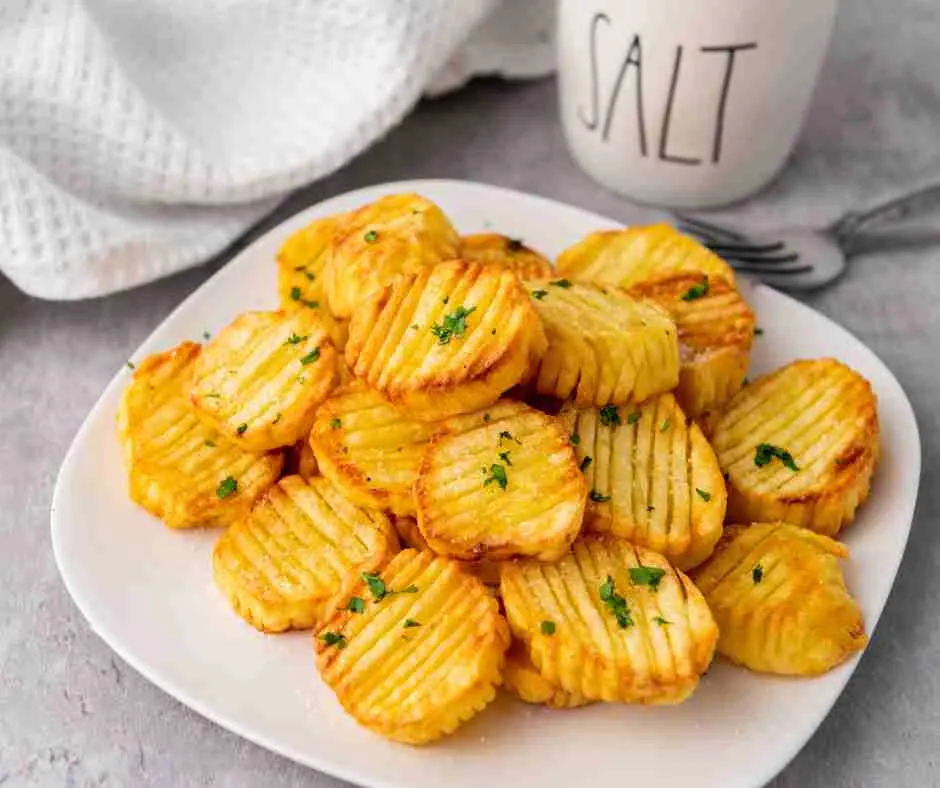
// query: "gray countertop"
[[72, 713]]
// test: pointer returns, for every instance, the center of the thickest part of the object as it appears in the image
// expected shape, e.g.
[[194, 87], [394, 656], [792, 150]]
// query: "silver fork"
[[809, 259]]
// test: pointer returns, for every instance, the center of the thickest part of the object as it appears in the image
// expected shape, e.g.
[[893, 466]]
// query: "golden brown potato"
[[416, 650], [180, 469], [652, 476], [400, 233], [626, 257], [446, 340], [260, 380], [603, 345], [716, 328], [612, 622], [302, 544], [800, 445], [369, 448], [780, 600], [500, 483], [510, 253], [524, 681], [300, 461], [410, 536]]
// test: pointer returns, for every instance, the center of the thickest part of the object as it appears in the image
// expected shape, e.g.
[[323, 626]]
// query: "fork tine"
[[700, 227], [777, 270], [723, 248], [760, 259]]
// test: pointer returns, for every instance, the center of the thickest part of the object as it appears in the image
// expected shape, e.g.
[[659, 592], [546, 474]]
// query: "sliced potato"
[[626, 257], [410, 536], [400, 233], [425, 654], [800, 445], [301, 461], [500, 483], [302, 544], [260, 380], [652, 476], [611, 621], [780, 600], [370, 448], [716, 328], [446, 340], [524, 681], [603, 345], [180, 469], [508, 252]]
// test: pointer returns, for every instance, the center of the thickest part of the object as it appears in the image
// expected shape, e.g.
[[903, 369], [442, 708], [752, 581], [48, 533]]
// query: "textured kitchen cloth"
[[140, 137]]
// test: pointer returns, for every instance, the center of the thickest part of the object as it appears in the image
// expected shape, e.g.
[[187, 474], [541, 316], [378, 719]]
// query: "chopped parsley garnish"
[[310, 277], [538, 295], [226, 487], [131, 365], [575, 438], [454, 325], [757, 574], [661, 621], [514, 245], [610, 416], [334, 639], [376, 585], [312, 356], [277, 418], [356, 604], [586, 462], [507, 435], [445, 300], [486, 417], [240, 430], [564, 283], [646, 576], [410, 622], [651, 508], [311, 304], [206, 335], [665, 425], [371, 237], [696, 291], [497, 476], [335, 423], [504, 456], [414, 326], [758, 331], [704, 495], [295, 293], [599, 497], [615, 603], [634, 417], [294, 339], [210, 444], [412, 589], [765, 452], [547, 627]]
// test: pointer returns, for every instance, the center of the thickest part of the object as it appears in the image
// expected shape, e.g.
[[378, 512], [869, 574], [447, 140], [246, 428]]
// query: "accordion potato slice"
[[302, 544], [180, 469], [260, 380], [510, 253], [399, 233], [800, 445], [500, 483], [780, 600], [716, 329], [524, 681], [411, 536], [425, 654], [626, 257], [652, 476], [611, 621], [447, 340], [369, 448], [603, 345]]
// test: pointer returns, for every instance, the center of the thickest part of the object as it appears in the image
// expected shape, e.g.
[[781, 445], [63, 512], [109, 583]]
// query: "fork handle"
[[898, 208]]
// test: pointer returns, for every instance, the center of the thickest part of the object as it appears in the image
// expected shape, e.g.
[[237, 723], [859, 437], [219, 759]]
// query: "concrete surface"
[[72, 714]]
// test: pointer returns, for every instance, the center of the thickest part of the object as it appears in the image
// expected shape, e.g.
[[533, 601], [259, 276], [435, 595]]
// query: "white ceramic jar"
[[687, 103]]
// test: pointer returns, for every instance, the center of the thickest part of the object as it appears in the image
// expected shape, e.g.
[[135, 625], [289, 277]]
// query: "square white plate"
[[148, 591]]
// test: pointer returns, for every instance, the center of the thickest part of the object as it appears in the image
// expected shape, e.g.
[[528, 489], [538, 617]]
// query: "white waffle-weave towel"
[[139, 137]]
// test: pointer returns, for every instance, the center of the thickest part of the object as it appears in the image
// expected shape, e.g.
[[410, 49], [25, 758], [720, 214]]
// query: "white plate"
[[148, 591]]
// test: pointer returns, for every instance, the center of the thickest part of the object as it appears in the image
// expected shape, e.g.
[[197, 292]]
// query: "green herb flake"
[[486, 417], [507, 435], [758, 331], [376, 585], [615, 603], [696, 291], [371, 237], [757, 574], [277, 418], [504, 456], [311, 304], [241, 429], [412, 589], [356, 604], [563, 283], [646, 576], [206, 335], [131, 365], [210, 444], [634, 417], [547, 627], [538, 295], [335, 423], [765, 453], [414, 326], [661, 621], [410, 622], [334, 639], [294, 339], [312, 356], [586, 462], [610, 416], [665, 425], [310, 277], [228, 486], [599, 497], [497, 475], [514, 245], [295, 293], [703, 494], [574, 438], [454, 325]]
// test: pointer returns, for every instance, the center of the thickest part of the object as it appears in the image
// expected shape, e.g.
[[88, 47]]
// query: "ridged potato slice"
[[780, 600], [500, 483], [716, 329], [302, 544], [370, 448], [180, 469], [301, 461], [626, 257], [447, 340], [425, 654], [800, 445], [410, 536], [611, 621], [652, 476], [522, 679], [400, 233], [260, 380], [508, 252], [603, 345]]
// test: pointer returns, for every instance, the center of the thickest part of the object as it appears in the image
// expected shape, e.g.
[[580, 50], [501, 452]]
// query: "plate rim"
[[326, 765]]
